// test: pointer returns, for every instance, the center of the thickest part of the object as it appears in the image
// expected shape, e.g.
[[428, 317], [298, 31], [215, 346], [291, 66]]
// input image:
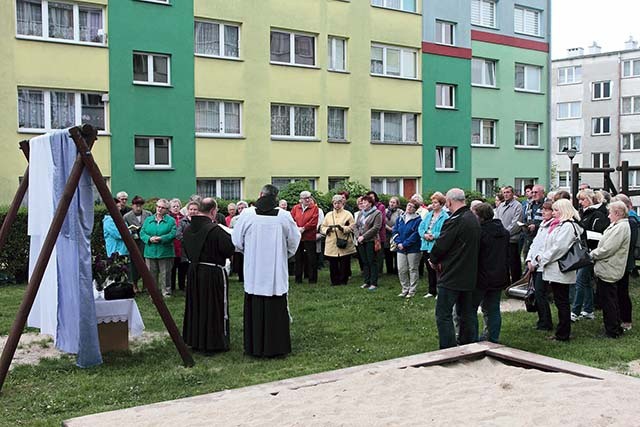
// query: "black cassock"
[[206, 312]]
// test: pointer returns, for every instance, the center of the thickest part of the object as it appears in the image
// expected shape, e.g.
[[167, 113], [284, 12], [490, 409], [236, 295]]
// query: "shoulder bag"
[[577, 256], [340, 242]]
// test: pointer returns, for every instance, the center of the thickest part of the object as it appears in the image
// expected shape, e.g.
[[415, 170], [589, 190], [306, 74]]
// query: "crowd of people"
[[467, 255]]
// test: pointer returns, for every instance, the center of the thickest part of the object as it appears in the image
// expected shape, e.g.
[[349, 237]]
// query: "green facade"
[[140, 110], [446, 127], [506, 105]]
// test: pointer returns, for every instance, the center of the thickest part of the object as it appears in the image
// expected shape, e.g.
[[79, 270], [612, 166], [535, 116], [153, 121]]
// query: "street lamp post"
[[571, 153]]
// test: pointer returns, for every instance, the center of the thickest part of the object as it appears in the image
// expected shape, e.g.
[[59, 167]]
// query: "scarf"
[[553, 224]]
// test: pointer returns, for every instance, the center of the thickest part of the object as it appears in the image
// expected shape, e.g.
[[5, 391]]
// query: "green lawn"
[[332, 328]]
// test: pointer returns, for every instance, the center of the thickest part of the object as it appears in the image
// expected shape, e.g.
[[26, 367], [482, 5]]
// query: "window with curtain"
[[280, 46], [280, 120], [293, 121], [566, 142], [216, 39], [483, 132], [526, 21], [445, 95], [30, 109], [63, 110], [527, 134], [232, 118], [231, 189], [336, 128], [66, 109], [152, 152], [393, 127], [160, 69], [90, 24], [151, 68], [445, 158], [231, 39], [216, 117], [61, 21], [304, 50], [207, 187], [528, 77], [304, 119], [140, 67], [601, 126], [337, 53], [29, 17], [405, 5], [631, 105], [445, 32], [92, 110], [393, 61], [483, 72]]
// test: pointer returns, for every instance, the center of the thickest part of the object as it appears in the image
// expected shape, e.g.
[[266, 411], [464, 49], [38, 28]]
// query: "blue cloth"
[[112, 239], [77, 328], [436, 229], [407, 234]]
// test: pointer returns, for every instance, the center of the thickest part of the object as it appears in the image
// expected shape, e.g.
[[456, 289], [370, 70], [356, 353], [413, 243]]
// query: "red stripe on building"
[[438, 49], [509, 41]]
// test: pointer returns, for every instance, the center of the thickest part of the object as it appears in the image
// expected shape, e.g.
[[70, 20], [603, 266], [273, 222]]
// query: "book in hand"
[[133, 227]]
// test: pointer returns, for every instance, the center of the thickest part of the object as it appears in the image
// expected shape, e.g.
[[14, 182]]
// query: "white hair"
[[456, 194]]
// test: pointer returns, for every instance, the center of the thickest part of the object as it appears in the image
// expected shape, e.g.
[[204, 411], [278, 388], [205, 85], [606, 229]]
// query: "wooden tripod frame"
[[84, 137]]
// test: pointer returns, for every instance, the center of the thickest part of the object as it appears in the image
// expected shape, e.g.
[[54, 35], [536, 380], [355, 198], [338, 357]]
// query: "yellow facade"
[[257, 83], [43, 64]]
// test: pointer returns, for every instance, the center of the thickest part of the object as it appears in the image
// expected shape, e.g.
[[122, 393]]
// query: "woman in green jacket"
[[157, 233]]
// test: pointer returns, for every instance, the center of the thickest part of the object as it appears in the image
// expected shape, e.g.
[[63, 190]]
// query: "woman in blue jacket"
[[429, 232], [407, 241]]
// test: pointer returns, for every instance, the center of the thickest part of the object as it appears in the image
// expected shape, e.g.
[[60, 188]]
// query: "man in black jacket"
[[455, 257]]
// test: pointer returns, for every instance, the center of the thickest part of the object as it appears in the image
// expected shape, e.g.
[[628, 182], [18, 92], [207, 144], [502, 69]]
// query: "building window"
[[564, 179], [219, 118], [566, 142], [393, 186], [335, 181], [152, 152], [336, 124], [483, 72], [483, 132], [150, 68], [630, 141], [569, 110], [487, 186], [283, 182], [445, 158], [527, 135], [43, 110], [220, 188], [570, 75], [393, 61], [631, 68], [63, 21], [216, 39], [445, 96], [293, 121], [337, 49], [445, 33], [601, 90], [634, 179], [392, 127], [526, 21], [520, 183], [601, 126], [631, 105], [600, 160], [483, 12], [528, 78], [303, 52], [405, 5]]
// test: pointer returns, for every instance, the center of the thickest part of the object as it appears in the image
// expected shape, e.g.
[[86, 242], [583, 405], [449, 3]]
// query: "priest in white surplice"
[[268, 236]]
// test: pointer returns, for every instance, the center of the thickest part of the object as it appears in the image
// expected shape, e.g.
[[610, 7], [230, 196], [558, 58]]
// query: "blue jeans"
[[490, 300], [444, 317], [584, 291]]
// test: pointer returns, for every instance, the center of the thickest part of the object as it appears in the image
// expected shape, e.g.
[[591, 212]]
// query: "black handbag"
[[530, 296], [577, 256], [119, 290], [340, 242]]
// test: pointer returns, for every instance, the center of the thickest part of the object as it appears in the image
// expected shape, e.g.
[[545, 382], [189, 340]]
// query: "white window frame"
[[525, 131], [564, 177], [332, 41], [221, 39], [483, 76], [526, 82], [218, 185], [387, 4], [600, 122], [222, 119], [441, 158], [600, 159], [403, 50], [597, 90], [484, 186], [481, 123], [634, 179], [634, 141], [385, 184], [446, 28], [520, 183], [152, 153], [150, 69], [335, 180], [634, 105], [405, 116], [570, 141], [312, 180], [574, 110], [570, 75], [484, 21], [520, 21], [76, 24], [292, 49], [444, 91], [46, 98], [344, 123], [631, 64], [292, 123]]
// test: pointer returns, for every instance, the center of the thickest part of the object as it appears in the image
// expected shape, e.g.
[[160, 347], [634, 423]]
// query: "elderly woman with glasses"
[[157, 233], [339, 243]]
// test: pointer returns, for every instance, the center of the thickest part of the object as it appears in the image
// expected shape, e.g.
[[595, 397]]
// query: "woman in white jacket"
[[560, 239], [541, 286], [611, 263]]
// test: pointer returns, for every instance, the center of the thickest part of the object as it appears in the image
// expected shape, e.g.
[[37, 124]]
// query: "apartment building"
[[596, 111]]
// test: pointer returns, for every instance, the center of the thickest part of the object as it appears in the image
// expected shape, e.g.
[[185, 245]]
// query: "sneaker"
[[574, 317], [626, 326], [402, 294], [373, 288], [588, 316], [364, 286], [429, 295], [409, 296]]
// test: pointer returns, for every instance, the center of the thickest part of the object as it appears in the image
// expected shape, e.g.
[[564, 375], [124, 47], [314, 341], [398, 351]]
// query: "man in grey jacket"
[[509, 213]]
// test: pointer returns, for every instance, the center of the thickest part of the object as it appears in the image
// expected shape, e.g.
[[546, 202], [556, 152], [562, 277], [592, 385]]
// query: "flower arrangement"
[[110, 270]]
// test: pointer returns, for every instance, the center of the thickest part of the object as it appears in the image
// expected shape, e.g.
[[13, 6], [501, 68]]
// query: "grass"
[[332, 328]]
